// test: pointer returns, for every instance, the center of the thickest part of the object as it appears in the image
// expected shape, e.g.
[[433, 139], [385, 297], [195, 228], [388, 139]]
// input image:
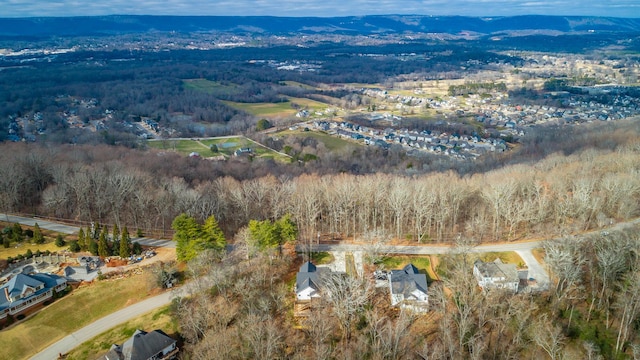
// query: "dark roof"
[[20, 282], [307, 277], [407, 280], [141, 346]]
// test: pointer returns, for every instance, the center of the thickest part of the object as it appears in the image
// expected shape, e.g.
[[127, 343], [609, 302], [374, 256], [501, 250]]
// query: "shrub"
[[60, 241]]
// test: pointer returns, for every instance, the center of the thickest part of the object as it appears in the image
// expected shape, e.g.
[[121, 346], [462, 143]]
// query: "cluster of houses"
[[408, 287], [455, 145]]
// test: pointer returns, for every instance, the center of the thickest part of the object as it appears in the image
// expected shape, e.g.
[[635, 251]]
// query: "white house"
[[307, 282], [23, 292], [408, 288], [496, 275]]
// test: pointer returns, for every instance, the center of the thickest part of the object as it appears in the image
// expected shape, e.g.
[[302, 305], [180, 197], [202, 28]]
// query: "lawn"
[[299, 84], [185, 147], [322, 258], [308, 103], [21, 248], [333, 143], [269, 110], [226, 146], [423, 263], [507, 257], [92, 349], [211, 87], [77, 309]]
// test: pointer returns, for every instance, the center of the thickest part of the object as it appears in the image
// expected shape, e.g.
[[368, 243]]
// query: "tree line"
[[560, 194]]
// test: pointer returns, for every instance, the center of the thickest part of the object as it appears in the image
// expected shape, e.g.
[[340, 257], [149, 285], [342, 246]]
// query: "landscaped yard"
[[507, 257], [397, 262], [77, 309], [21, 248], [159, 319]]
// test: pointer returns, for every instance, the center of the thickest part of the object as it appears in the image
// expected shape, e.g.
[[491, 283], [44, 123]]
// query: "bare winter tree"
[[547, 336], [347, 296]]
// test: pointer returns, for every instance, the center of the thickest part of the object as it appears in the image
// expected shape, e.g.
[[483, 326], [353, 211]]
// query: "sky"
[[321, 8]]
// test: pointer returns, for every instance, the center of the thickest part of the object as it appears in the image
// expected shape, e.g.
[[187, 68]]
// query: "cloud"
[[28, 8]]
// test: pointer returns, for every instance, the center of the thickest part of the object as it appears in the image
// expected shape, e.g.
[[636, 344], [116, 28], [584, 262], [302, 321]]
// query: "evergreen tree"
[[74, 247], [37, 235], [96, 231], [6, 242], [115, 237], [125, 244], [16, 233], [137, 248], [187, 230], [60, 241], [212, 235], [287, 228], [93, 247], [82, 242], [103, 247]]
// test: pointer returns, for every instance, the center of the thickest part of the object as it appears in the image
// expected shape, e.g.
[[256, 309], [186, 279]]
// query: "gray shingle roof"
[[141, 346], [407, 280], [307, 277]]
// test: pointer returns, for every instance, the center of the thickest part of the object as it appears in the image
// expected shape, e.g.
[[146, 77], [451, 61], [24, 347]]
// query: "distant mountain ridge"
[[365, 25]]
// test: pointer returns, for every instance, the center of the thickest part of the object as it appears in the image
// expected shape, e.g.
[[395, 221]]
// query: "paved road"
[[428, 249], [69, 229], [96, 328], [44, 224]]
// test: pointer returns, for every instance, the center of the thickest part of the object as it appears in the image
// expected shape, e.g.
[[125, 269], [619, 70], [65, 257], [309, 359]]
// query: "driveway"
[[536, 270]]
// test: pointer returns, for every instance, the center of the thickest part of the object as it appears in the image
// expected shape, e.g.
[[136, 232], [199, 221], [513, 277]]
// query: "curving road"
[[99, 326]]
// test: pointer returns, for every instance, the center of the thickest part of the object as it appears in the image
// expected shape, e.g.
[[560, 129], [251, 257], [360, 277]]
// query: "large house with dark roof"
[[408, 288], [155, 345], [307, 282], [23, 292]]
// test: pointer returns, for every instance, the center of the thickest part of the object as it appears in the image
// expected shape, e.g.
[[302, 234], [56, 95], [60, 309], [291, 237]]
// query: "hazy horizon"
[[315, 8]]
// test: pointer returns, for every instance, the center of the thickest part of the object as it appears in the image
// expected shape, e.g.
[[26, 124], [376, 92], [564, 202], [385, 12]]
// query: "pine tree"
[[125, 243], [96, 231], [93, 247], [213, 236], [82, 242], [37, 235], [103, 247], [60, 241]]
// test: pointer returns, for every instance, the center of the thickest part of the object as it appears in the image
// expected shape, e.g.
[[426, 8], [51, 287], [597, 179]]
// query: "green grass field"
[[507, 257], [268, 110], [70, 313], [332, 143], [210, 87], [308, 103], [299, 84], [21, 248], [92, 349], [184, 147], [423, 263], [226, 146]]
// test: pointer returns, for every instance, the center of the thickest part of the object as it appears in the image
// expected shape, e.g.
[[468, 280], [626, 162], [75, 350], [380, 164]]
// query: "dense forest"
[[147, 189]]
